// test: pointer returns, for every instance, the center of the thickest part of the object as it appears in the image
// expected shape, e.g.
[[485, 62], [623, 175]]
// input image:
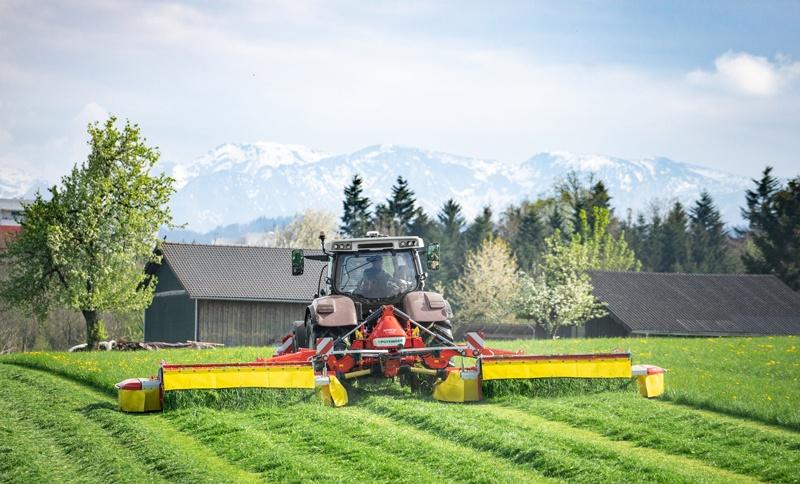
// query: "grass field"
[[730, 414]]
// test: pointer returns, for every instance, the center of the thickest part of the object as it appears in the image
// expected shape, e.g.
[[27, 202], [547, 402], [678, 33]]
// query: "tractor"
[[364, 274], [372, 317]]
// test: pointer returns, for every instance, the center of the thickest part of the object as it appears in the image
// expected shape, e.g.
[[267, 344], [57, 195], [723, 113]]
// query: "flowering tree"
[[486, 289], [85, 248], [560, 292]]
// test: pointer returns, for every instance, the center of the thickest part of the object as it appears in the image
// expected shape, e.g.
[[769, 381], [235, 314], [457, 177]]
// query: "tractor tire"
[[300, 338], [441, 328]]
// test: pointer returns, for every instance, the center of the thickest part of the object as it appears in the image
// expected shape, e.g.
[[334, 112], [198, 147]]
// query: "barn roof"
[[702, 304], [241, 272]]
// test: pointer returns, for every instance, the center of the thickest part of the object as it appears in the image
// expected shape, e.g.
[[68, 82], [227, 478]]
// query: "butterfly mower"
[[373, 318]]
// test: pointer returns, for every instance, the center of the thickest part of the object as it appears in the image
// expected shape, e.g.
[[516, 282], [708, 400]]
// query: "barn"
[[649, 303], [673, 304], [236, 295]]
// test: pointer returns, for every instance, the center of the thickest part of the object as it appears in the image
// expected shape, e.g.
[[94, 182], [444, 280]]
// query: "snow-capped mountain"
[[237, 183]]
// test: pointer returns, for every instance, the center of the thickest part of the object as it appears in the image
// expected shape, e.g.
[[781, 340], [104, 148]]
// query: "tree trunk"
[[551, 333], [95, 331]]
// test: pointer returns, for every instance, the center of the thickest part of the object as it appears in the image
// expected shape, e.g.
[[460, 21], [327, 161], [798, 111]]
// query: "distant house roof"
[[703, 304], [241, 272], [6, 233]]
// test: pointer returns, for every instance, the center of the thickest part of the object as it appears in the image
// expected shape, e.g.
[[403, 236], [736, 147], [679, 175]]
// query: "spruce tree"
[[675, 240], [423, 226], [760, 213], [382, 220], [451, 219], [402, 206], [708, 238], [523, 229], [356, 218], [773, 214], [451, 223], [480, 229], [600, 198]]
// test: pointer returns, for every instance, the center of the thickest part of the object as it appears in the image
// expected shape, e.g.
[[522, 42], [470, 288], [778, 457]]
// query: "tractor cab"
[[365, 274]]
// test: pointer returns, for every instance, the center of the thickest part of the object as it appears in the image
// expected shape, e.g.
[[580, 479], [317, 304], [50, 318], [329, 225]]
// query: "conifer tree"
[[762, 220], [450, 228], [674, 240], [480, 229], [402, 206], [356, 217], [708, 238], [523, 229], [773, 214]]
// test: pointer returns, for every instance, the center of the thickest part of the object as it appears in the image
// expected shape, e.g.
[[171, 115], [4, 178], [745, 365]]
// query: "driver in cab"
[[375, 281]]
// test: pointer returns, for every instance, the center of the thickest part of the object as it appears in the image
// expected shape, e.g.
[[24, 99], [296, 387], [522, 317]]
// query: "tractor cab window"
[[376, 275]]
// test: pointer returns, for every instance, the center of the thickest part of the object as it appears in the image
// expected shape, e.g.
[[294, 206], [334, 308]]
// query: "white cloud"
[[749, 74], [311, 73]]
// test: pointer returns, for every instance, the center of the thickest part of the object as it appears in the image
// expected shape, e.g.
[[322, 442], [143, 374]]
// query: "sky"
[[708, 83]]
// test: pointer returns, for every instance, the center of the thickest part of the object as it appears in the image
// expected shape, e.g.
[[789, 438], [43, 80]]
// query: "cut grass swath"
[[766, 452], [552, 449], [104, 443], [29, 454], [372, 447]]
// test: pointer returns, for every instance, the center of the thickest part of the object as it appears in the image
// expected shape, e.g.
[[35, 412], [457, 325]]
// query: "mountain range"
[[238, 183]]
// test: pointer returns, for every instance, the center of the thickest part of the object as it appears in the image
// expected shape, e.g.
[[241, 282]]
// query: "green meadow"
[[730, 413]]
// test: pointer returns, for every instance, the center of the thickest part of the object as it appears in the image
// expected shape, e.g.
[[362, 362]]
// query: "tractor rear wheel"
[[300, 336], [444, 329]]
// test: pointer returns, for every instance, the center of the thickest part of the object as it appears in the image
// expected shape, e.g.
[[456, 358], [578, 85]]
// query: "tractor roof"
[[376, 242]]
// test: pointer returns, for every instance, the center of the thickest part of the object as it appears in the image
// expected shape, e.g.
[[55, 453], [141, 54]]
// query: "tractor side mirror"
[[432, 256], [298, 262]]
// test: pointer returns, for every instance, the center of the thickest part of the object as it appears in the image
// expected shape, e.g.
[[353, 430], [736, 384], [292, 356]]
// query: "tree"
[[382, 220], [423, 226], [709, 250], [773, 214], [480, 229], [86, 247], [594, 248], [303, 231], [450, 225], [451, 219], [674, 241], [522, 227], [356, 217], [402, 206], [486, 290], [559, 293]]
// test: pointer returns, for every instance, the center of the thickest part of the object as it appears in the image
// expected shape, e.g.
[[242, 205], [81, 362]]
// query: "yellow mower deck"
[[454, 384]]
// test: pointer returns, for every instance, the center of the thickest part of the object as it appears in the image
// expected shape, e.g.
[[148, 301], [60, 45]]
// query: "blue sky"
[[709, 83]]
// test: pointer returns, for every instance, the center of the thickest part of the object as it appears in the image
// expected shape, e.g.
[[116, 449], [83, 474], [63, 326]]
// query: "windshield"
[[376, 275]]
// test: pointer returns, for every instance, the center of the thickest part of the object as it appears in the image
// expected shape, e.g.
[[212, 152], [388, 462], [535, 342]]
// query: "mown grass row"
[[279, 442], [554, 449], [750, 377], [743, 446], [83, 428]]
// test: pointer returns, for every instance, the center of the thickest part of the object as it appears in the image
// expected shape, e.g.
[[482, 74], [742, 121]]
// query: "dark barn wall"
[[170, 317], [167, 280], [605, 327], [246, 323]]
